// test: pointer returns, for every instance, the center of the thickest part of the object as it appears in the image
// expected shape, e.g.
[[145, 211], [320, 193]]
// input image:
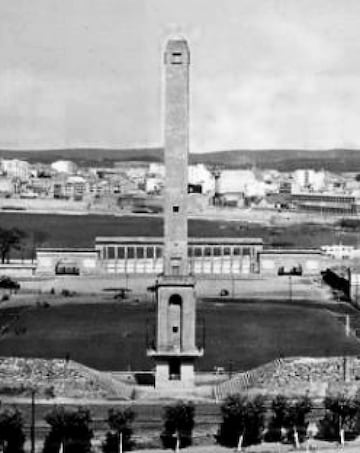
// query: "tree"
[[71, 428], [120, 428], [12, 437], [243, 421], [296, 422], [341, 415], [288, 421], [10, 239], [178, 425], [279, 418]]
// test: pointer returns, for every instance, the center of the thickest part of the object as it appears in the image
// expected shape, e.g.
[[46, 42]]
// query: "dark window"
[[174, 370], [158, 252], [246, 251], [190, 251], [236, 251], [139, 252], [149, 252], [226, 251], [175, 208], [131, 253], [207, 251], [175, 329], [111, 253], [197, 251], [217, 251], [121, 253]]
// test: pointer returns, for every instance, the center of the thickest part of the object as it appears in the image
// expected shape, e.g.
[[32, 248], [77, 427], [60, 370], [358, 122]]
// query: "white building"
[[15, 168], [157, 169], [309, 179], [199, 174], [154, 184], [64, 166], [338, 251], [241, 181]]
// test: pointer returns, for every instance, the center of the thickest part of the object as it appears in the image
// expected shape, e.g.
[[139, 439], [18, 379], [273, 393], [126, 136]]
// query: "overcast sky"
[[264, 73]]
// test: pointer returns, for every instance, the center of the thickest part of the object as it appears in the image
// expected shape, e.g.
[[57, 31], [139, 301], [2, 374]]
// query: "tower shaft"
[[177, 60]]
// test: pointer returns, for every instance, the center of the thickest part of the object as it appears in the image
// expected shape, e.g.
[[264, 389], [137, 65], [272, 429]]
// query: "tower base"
[[174, 373], [176, 349]]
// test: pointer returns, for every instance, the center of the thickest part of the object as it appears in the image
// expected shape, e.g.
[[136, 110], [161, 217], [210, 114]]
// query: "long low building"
[[208, 257], [127, 255]]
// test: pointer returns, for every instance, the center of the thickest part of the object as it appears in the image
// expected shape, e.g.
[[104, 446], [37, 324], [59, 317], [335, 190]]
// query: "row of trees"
[[12, 239], [244, 423], [244, 420]]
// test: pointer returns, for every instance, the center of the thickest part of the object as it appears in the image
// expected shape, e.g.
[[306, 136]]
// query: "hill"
[[336, 160]]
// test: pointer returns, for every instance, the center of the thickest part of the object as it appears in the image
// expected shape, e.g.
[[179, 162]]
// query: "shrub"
[[49, 392], [341, 413], [241, 417], [119, 422], [178, 425], [69, 427], [12, 437]]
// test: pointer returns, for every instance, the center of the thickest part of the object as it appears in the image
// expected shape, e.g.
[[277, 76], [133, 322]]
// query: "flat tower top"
[[177, 51]]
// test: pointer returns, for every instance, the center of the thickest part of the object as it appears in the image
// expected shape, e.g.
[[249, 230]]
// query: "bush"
[[12, 437], [119, 422], [178, 425], [241, 417], [70, 427], [341, 413], [49, 392]]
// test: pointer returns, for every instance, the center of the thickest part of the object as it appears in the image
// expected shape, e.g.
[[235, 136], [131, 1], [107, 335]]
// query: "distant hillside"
[[87, 156], [338, 160]]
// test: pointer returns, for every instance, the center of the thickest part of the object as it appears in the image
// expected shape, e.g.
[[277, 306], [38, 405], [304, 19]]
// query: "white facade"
[[199, 174], [64, 166], [309, 179], [6, 185], [154, 184], [16, 168], [241, 181], [157, 169], [338, 251]]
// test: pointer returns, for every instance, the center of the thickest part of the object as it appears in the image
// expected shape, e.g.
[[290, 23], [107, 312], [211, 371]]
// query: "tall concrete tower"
[[176, 350]]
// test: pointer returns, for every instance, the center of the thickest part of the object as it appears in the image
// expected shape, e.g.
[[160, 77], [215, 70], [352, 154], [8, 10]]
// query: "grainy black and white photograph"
[[179, 226]]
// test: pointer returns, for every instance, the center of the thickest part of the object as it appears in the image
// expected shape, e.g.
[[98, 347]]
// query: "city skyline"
[[266, 74]]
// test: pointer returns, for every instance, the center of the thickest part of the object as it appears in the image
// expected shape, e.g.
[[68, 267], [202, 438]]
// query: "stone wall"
[[57, 378], [297, 376]]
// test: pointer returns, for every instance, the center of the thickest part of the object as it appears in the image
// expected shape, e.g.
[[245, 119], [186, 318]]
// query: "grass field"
[[81, 230], [111, 336]]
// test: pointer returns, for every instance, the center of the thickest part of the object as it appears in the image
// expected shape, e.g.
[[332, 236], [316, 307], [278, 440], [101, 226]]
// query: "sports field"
[[81, 230], [111, 336]]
